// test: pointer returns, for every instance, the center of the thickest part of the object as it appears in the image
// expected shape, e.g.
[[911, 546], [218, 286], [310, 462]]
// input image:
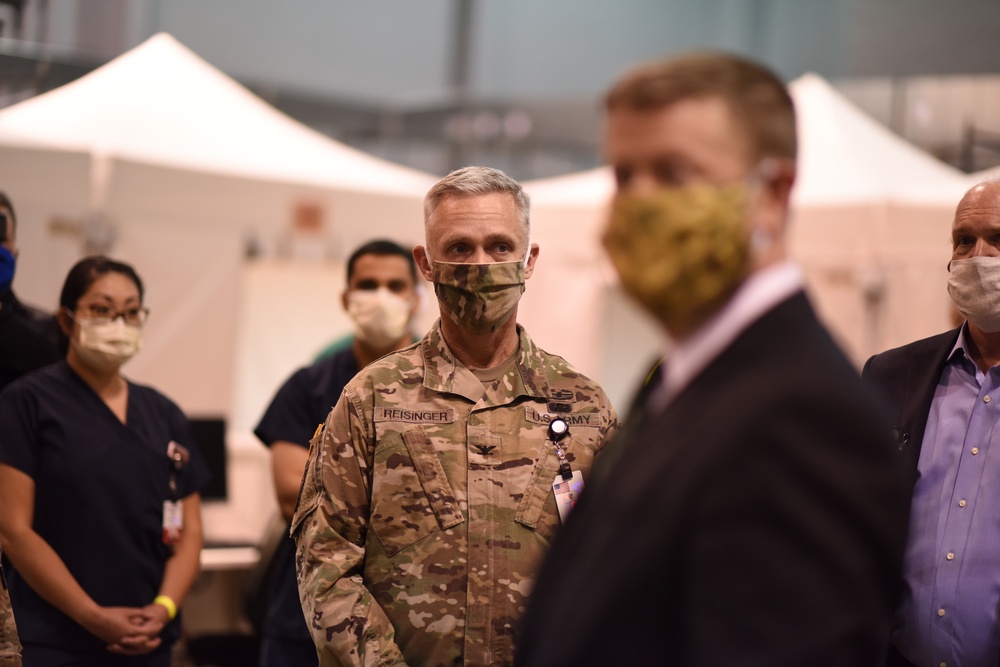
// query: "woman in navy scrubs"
[[99, 508]]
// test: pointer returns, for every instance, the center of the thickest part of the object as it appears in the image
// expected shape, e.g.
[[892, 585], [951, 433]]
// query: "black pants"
[[34, 655]]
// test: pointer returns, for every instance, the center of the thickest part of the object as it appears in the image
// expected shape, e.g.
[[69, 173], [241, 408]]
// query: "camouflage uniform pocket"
[[537, 510], [411, 497]]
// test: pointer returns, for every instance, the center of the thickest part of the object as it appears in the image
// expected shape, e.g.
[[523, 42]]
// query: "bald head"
[[976, 229], [986, 192]]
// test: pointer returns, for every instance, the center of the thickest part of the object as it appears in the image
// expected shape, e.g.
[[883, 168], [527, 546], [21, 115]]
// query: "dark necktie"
[[638, 413]]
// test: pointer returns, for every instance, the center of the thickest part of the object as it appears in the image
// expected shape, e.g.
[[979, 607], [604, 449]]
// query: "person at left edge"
[[381, 299], [10, 647], [99, 477], [27, 335]]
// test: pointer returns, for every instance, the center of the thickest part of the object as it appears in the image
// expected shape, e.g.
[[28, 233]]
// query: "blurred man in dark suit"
[[753, 511]]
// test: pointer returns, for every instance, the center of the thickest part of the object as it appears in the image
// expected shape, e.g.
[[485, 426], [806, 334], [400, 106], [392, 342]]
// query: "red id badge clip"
[[173, 510]]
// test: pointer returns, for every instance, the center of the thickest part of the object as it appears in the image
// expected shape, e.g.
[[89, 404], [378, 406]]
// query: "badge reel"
[[173, 507], [568, 484]]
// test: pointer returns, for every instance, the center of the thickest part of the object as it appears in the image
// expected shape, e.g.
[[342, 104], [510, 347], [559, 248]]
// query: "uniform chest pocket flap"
[[411, 497], [537, 510]]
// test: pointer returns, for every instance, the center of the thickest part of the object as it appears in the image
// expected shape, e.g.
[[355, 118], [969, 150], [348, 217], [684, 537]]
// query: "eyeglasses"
[[99, 314]]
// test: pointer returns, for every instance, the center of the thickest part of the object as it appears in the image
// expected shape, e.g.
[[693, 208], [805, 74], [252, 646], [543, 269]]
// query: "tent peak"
[[161, 104]]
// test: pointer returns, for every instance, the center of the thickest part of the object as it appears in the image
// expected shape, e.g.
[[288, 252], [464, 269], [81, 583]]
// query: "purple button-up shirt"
[[949, 615]]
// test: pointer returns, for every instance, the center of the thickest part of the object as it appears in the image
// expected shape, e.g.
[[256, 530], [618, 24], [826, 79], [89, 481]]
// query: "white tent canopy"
[[847, 158], [871, 223], [161, 104]]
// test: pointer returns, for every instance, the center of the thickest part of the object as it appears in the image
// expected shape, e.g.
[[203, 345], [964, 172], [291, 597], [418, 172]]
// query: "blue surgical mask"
[[7, 264]]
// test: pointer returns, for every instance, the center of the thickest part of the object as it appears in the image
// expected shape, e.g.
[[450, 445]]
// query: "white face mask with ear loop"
[[379, 317], [974, 288], [106, 347]]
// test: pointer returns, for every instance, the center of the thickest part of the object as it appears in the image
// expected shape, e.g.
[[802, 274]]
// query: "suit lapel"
[[923, 371], [680, 425]]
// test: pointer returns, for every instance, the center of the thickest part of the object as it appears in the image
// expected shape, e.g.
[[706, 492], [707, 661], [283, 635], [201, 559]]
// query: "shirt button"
[[940, 612], [975, 450], [986, 399], [943, 664], [961, 503], [950, 556]]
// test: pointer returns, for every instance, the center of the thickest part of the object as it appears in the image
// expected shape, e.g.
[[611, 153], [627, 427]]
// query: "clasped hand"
[[131, 630]]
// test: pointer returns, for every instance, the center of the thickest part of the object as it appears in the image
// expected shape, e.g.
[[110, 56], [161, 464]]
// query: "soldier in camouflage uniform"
[[427, 501], [10, 647]]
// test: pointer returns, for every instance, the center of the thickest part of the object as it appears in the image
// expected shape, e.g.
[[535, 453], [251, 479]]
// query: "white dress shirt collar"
[[759, 293]]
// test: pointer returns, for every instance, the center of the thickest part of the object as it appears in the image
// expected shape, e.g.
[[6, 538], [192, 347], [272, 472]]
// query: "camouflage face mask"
[[478, 297], [681, 252]]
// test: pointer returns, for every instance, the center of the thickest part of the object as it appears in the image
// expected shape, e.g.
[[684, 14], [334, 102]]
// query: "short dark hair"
[[757, 98], [84, 274], [382, 247], [5, 202]]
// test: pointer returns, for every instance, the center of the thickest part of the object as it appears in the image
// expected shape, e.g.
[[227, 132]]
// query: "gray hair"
[[472, 181]]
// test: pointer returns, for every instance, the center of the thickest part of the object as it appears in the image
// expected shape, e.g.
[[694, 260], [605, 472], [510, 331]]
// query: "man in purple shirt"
[[944, 392]]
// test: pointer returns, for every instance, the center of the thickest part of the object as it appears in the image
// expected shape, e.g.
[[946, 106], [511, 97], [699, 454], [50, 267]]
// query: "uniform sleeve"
[[10, 647], [19, 435], [609, 425], [330, 526], [289, 416]]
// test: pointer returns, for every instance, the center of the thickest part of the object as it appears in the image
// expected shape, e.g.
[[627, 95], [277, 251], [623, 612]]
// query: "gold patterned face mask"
[[681, 252], [478, 297]]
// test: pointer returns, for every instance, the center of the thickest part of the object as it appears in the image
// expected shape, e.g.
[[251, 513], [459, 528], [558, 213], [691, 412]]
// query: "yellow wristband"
[[167, 604]]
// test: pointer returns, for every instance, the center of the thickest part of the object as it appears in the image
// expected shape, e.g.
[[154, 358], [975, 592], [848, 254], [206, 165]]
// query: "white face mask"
[[974, 287], [106, 347], [380, 317]]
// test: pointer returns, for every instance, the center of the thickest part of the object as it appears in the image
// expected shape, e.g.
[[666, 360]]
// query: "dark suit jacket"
[[759, 520], [907, 377]]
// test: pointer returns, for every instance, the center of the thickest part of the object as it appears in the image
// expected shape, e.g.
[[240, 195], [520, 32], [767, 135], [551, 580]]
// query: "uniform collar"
[[443, 372]]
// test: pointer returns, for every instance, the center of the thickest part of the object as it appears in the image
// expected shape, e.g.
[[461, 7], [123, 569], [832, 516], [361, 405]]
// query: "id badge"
[[567, 492], [173, 520]]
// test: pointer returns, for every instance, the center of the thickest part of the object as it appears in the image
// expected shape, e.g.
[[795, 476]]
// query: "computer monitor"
[[210, 436]]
